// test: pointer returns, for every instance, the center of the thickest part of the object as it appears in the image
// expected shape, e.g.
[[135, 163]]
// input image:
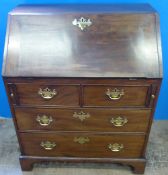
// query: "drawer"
[[44, 94], [84, 119], [117, 96], [82, 145]]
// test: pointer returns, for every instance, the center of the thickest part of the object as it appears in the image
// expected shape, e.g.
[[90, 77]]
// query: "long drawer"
[[82, 145], [82, 119]]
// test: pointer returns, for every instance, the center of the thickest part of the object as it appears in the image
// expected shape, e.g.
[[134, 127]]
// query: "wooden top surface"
[[122, 41], [84, 8]]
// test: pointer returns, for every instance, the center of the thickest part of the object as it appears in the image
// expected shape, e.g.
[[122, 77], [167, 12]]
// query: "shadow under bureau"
[[83, 82]]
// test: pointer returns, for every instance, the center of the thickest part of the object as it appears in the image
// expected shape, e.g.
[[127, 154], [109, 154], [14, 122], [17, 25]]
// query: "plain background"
[[162, 8]]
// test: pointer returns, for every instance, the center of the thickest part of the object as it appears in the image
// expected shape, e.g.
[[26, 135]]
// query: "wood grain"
[[121, 49], [133, 96], [66, 95], [96, 147], [99, 120], [115, 45], [138, 165]]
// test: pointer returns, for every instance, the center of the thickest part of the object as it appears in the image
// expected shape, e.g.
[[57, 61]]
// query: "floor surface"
[[157, 155]]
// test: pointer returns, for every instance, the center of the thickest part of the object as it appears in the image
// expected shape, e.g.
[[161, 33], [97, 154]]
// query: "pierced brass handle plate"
[[44, 120], [116, 147], [119, 121], [47, 93], [47, 145], [82, 23], [81, 140], [81, 115], [115, 94]]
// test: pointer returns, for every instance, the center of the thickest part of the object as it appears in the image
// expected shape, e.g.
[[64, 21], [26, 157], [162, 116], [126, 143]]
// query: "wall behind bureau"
[[160, 6]]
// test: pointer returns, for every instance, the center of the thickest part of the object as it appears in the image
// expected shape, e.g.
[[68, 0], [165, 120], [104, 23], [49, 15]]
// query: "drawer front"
[[82, 145], [57, 95], [117, 96], [82, 119]]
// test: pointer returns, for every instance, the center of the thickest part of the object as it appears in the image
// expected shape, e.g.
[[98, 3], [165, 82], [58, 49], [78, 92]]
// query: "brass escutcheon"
[[82, 23], [81, 140], [81, 115]]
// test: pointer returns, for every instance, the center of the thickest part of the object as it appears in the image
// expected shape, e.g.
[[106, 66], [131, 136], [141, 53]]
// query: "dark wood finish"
[[138, 165], [123, 44], [157, 90], [10, 100], [83, 81], [99, 119], [133, 96], [84, 8], [66, 95], [96, 147], [121, 49]]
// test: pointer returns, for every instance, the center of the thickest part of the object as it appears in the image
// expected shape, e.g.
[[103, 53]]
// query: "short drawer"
[[40, 94], [82, 145], [83, 119], [117, 96]]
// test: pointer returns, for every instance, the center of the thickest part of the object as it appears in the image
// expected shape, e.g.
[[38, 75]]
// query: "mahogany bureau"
[[83, 81]]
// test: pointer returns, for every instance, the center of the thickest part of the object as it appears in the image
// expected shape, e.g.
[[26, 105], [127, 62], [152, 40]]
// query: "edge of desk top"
[[81, 8]]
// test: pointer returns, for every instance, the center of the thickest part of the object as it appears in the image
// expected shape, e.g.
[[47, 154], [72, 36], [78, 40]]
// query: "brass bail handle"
[[47, 93], [47, 145], [116, 147], [119, 121], [115, 94], [44, 120], [82, 23]]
